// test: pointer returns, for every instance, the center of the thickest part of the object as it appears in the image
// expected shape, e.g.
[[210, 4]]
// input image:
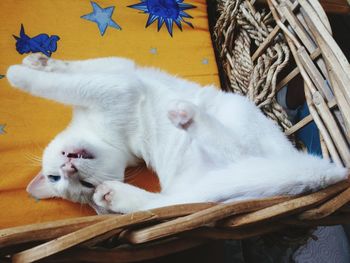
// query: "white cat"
[[204, 144]]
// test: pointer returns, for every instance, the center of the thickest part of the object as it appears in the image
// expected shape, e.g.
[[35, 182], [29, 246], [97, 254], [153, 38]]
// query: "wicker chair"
[[253, 46]]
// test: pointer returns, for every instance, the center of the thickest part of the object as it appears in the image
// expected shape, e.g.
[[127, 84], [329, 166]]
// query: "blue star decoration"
[[41, 43], [102, 17], [165, 11], [2, 129]]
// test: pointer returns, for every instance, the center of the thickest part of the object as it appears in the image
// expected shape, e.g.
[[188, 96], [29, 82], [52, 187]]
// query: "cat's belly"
[[180, 161]]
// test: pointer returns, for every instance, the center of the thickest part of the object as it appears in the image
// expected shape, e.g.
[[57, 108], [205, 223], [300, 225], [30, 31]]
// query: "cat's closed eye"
[[87, 184], [54, 178]]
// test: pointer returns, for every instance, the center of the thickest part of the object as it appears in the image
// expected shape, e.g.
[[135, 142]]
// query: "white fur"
[[204, 144]]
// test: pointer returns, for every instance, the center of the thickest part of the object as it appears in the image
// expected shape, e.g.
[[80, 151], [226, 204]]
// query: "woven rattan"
[[254, 44], [238, 30]]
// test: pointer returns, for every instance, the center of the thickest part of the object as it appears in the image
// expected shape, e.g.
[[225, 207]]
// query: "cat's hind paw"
[[181, 114]]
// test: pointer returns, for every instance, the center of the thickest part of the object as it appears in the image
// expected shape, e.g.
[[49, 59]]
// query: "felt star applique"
[[165, 11], [41, 43], [102, 17]]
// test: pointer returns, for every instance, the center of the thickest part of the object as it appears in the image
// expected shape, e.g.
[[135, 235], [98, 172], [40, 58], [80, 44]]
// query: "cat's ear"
[[40, 187]]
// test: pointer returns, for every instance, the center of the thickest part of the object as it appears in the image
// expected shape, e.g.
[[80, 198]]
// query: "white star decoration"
[[205, 61], [153, 51]]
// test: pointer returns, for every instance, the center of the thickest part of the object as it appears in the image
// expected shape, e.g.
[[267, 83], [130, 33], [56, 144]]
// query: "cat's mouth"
[[83, 154], [70, 168]]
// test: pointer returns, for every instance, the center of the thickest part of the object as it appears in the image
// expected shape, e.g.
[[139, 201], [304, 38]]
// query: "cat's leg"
[[255, 178], [74, 89], [211, 135], [231, 127], [98, 65], [122, 198]]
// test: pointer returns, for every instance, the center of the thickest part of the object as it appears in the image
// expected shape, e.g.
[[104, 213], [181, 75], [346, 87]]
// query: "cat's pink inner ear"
[[40, 187]]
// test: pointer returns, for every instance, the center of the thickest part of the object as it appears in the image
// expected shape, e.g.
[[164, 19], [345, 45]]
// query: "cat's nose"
[[69, 169]]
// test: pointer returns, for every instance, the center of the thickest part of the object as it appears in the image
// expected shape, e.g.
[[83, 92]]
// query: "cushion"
[[27, 123]]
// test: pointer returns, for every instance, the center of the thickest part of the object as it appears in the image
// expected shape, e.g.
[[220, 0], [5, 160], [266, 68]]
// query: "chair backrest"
[[254, 47]]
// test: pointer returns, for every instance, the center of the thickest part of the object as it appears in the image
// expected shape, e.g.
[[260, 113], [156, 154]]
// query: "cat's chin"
[[79, 200], [83, 197]]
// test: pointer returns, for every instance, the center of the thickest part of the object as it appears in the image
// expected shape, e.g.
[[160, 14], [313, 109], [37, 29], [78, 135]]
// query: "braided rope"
[[239, 30]]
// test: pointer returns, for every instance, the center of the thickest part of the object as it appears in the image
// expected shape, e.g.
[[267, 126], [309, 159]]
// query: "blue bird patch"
[[41, 43]]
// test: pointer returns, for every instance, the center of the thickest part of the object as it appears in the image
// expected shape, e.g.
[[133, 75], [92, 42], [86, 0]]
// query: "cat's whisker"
[[83, 200], [33, 156], [130, 175], [93, 170], [35, 165], [38, 146], [95, 177], [29, 158], [34, 161]]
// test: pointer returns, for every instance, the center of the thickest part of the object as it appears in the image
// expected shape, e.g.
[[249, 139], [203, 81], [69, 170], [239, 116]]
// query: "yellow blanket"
[[28, 123]]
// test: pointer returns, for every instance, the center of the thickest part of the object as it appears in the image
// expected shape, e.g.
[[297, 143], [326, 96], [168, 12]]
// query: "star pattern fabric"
[[102, 17], [23, 132]]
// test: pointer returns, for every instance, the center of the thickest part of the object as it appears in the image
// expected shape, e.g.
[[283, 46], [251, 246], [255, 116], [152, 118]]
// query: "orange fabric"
[[32, 122]]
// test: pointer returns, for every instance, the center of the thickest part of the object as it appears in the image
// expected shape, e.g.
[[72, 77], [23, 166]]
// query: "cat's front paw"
[[103, 195], [17, 76], [115, 196], [38, 61], [181, 114]]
